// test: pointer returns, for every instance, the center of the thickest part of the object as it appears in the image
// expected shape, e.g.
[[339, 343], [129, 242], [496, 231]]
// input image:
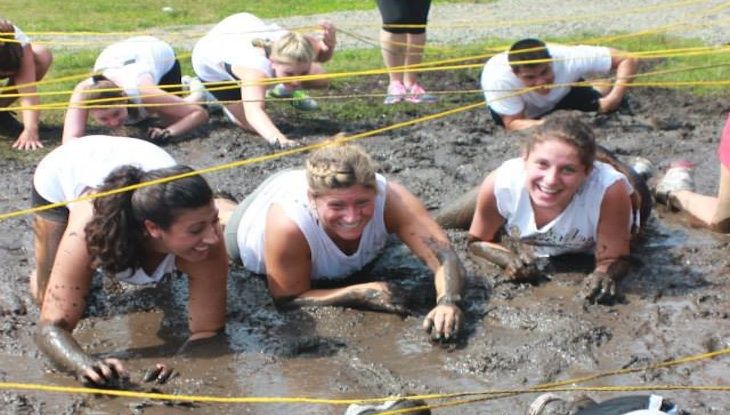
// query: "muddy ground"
[[676, 299]]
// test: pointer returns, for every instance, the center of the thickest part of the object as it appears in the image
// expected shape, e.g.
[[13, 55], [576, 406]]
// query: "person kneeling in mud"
[[136, 237], [558, 198], [328, 221]]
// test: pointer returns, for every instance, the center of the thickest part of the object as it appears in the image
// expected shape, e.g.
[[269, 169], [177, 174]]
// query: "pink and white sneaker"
[[678, 177], [417, 95], [396, 93]]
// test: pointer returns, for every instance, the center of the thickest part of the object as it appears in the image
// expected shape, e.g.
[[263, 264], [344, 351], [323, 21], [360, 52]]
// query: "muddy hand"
[[599, 288], [384, 297], [159, 135], [105, 373], [443, 323], [160, 374]]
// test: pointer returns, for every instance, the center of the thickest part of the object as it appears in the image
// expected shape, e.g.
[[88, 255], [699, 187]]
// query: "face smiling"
[[111, 117], [554, 174], [344, 213], [191, 235], [538, 76]]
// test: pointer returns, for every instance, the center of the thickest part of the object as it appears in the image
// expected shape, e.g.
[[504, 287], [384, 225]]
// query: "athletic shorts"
[[172, 77], [581, 98], [397, 12], [723, 151], [57, 214]]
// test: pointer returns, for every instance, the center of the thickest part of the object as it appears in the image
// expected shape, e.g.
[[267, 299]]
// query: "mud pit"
[[677, 299]]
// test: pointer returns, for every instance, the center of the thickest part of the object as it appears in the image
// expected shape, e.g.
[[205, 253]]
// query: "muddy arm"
[[612, 245], [62, 349], [378, 296], [406, 216]]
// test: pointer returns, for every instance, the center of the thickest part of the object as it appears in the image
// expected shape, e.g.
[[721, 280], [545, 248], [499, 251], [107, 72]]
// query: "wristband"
[[450, 300]]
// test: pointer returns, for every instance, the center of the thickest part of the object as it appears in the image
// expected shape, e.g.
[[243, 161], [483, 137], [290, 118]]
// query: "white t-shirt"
[[228, 44], [124, 62], [81, 164], [288, 190], [574, 230], [21, 37], [140, 277], [570, 64]]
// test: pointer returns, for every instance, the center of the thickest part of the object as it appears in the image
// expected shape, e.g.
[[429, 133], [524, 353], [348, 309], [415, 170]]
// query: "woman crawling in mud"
[[557, 198], [328, 221], [136, 236], [137, 70]]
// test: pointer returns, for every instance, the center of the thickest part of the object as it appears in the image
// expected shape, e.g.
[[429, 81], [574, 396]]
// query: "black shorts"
[[172, 77], [57, 214], [398, 12], [581, 98]]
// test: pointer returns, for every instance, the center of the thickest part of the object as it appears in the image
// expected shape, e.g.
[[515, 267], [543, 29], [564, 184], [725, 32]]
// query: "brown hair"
[[568, 128], [338, 167], [104, 89], [115, 233], [11, 51]]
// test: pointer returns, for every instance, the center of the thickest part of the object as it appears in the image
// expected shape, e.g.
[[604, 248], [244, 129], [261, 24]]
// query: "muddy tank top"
[[574, 230]]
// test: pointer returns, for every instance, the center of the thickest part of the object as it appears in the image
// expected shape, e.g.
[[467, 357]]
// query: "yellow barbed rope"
[[490, 394]]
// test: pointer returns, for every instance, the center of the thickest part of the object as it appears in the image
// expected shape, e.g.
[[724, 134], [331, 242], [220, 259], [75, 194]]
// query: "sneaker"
[[642, 166], [302, 101], [279, 91], [388, 406], [416, 95], [678, 177], [396, 93], [9, 125]]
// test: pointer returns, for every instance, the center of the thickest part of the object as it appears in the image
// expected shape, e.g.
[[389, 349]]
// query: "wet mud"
[[675, 300]]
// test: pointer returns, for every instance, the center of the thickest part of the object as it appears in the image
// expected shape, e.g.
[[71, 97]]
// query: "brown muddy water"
[[676, 298]]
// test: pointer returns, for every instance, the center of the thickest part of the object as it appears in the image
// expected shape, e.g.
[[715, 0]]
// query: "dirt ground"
[[676, 299]]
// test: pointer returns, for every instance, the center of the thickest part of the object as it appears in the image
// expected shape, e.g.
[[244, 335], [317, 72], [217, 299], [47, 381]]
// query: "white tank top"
[[288, 189], [125, 61], [72, 168], [228, 44], [21, 37], [574, 230], [139, 277]]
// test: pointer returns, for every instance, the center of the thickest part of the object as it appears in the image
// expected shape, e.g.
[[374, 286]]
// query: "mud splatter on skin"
[[518, 335]]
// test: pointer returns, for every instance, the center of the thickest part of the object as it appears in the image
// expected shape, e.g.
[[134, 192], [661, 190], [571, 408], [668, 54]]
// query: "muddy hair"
[[11, 51], [103, 88], [115, 234], [339, 167], [568, 128], [292, 48], [527, 50]]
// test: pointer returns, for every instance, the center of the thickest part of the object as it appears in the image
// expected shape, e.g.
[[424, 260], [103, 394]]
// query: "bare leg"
[[707, 211], [459, 214], [414, 56], [46, 238], [393, 48]]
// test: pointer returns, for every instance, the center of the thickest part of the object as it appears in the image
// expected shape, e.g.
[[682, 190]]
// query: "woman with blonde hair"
[[136, 78], [323, 223], [23, 64], [244, 52]]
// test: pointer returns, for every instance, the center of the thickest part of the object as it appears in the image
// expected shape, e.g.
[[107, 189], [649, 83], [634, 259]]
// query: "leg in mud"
[[641, 198], [459, 214]]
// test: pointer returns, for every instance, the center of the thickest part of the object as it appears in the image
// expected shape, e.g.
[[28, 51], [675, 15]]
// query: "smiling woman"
[[328, 221], [136, 236], [555, 199]]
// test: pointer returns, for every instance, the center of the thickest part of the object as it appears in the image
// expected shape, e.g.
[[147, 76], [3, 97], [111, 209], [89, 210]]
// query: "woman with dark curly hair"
[[136, 236], [22, 64]]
